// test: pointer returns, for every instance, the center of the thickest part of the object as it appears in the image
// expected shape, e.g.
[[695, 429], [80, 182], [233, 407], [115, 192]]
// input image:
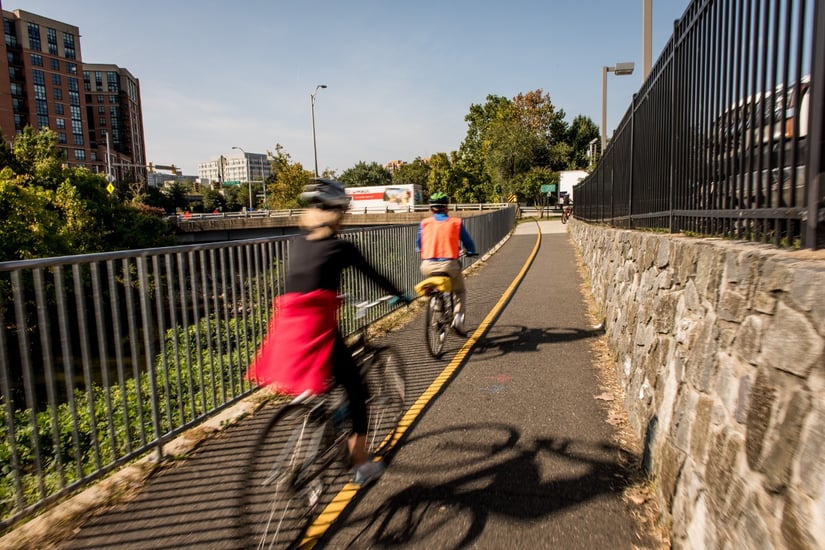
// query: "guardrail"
[[285, 213], [106, 357]]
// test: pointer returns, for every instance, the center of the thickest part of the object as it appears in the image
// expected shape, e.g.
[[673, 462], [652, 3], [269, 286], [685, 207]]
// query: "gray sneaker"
[[367, 472]]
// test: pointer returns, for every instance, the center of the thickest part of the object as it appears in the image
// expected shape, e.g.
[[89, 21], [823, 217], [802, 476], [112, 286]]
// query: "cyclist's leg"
[[459, 294], [346, 374]]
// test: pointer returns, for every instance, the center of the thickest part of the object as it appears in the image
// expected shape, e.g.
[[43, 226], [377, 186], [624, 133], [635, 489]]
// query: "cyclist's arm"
[[361, 264], [467, 241]]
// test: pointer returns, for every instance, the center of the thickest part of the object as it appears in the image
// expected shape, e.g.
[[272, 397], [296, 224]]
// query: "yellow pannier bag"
[[432, 284]]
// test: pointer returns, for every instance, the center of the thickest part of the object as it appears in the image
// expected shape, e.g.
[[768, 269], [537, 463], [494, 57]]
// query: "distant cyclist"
[[439, 240], [303, 347], [567, 207]]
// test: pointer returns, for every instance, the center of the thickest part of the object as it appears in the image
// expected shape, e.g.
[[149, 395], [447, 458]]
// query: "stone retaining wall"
[[720, 346]]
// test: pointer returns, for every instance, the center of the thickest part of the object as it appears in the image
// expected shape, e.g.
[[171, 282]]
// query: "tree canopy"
[[49, 210]]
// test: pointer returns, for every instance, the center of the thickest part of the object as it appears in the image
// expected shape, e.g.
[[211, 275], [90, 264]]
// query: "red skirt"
[[296, 354]]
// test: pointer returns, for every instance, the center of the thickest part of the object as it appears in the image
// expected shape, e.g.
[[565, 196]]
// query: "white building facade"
[[236, 169]]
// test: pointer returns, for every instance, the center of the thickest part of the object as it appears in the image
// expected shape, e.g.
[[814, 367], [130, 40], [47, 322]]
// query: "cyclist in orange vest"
[[439, 240]]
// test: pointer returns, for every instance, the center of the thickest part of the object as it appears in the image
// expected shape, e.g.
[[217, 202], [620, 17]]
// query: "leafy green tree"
[[413, 173], [49, 210], [363, 174], [287, 182], [582, 132], [212, 200]]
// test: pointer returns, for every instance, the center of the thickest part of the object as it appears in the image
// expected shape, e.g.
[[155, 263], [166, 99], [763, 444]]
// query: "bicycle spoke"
[[387, 388], [281, 491]]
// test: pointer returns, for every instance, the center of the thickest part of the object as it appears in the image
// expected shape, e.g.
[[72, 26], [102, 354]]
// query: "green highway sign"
[[550, 188], [232, 182]]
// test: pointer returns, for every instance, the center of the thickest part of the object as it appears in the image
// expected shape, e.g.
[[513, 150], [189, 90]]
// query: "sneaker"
[[314, 492], [367, 472], [458, 325]]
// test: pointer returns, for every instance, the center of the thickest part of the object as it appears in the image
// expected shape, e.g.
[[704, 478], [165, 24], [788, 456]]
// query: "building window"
[[40, 92], [80, 154], [61, 137], [38, 77], [73, 86], [60, 123], [58, 108], [71, 68], [54, 64], [56, 80], [112, 99], [74, 98], [101, 110], [51, 38], [68, 45], [101, 122], [77, 139], [34, 37], [100, 99], [42, 107], [111, 80], [93, 156], [58, 94], [37, 60], [42, 122]]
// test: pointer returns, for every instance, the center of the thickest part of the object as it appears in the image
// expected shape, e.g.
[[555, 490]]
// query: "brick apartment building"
[[95, 109]]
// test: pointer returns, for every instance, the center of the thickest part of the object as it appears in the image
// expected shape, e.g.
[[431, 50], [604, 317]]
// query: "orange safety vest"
[[440, 239]]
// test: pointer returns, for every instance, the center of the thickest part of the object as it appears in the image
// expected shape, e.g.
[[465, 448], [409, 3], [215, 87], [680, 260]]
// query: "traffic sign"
[[110, 188], [232, 182]]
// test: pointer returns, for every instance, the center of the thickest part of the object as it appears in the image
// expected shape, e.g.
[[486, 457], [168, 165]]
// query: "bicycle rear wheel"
[[386, 381], [436, 327], [282, 483]]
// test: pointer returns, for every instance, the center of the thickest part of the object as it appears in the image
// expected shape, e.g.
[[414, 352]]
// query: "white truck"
[[383, 198]]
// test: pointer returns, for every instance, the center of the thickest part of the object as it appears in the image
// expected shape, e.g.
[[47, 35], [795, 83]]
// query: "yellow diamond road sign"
[[110, 188]]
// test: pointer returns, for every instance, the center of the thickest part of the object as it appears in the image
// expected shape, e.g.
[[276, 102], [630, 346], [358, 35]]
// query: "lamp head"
[[623, 68]]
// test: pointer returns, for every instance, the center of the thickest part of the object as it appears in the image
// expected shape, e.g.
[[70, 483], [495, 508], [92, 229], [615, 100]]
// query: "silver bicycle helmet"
[[326, 194]]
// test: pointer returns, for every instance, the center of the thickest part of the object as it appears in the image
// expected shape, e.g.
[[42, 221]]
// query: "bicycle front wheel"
[[436, 327], [282, 483], [387, 385]]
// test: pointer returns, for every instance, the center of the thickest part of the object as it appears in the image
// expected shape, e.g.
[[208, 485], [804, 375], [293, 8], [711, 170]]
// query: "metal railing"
[[105, 357], [725, 137]]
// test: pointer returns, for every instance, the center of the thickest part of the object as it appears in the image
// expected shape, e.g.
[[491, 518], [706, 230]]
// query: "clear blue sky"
[[401, 76]]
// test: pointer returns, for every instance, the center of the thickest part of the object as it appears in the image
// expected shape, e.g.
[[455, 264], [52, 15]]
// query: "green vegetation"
[[196, 385], [49, 210]]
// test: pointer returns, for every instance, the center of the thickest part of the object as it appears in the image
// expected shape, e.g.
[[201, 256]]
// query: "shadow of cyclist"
[[454, 513]]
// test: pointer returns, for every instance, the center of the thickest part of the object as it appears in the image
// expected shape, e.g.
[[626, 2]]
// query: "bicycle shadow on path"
[[504, 339], [452, 504]]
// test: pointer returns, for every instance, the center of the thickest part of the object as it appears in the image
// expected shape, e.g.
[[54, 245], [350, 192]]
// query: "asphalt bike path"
[[515, 451], [505, 444]]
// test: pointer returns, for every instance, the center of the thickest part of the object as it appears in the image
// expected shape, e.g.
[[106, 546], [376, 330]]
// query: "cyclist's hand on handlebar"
[[402, 298]]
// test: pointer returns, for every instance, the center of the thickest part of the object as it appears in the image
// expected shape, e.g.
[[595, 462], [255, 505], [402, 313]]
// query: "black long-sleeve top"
[[317, 265]]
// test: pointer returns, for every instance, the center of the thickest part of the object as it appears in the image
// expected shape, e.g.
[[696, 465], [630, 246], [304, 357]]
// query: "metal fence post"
[[816, 129]]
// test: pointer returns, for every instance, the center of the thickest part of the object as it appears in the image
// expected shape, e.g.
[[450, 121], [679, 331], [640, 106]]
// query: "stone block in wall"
[[809, 473], [791, 343], [802, 525], [668, 470], [721, 471], [700, 428], [779, 458], [776, 278], [762, 402], [748, 342]]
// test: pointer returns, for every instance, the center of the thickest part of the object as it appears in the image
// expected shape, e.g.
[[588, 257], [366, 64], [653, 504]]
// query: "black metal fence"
[[725, 137], [105, 357]]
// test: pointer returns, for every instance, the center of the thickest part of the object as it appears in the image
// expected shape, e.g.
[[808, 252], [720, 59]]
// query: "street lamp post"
[[620, 69], [248, 178], [312, 102]]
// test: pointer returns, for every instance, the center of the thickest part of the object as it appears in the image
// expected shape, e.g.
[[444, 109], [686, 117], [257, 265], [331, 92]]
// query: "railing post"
[[816, 128], [632, 149]]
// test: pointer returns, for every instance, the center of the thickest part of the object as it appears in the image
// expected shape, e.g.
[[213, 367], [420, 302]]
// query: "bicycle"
[[566, 212], [307, 435], [438, 290]]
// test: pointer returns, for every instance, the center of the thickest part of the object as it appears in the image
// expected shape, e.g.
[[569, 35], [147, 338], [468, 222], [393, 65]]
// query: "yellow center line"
[[344, 497]]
